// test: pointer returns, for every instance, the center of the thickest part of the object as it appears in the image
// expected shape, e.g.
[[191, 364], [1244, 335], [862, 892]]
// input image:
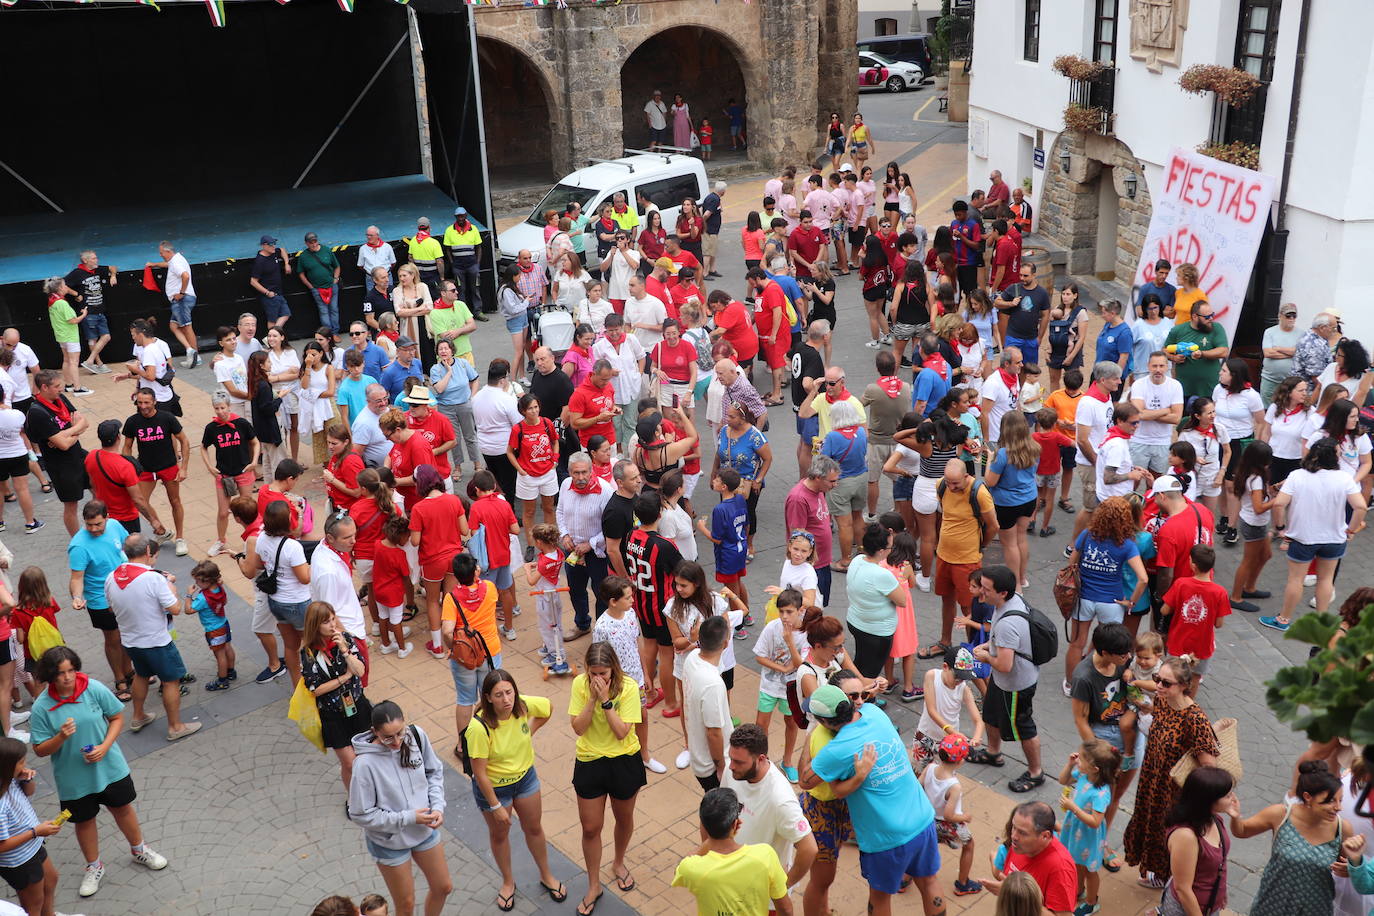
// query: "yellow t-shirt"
[[480, 613], [1183, 304], [820, 737], [507, 748], [743, 883], [961, 540], [598, 740], [822, 408]]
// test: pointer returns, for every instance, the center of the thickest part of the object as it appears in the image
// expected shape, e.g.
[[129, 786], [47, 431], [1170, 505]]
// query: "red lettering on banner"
[[1207, 189], [1177, 166]]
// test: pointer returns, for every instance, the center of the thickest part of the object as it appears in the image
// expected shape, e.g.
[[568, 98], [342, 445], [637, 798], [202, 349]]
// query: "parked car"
[[877, 72], [665, 178], [913, 48]]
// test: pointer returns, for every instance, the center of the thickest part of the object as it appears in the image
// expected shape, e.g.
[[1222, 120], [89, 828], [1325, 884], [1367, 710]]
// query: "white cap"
[[1168, 483], [846, 167]]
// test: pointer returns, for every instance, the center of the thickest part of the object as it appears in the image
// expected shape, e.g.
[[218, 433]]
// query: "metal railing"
[[1099, 93], [1239, 125]]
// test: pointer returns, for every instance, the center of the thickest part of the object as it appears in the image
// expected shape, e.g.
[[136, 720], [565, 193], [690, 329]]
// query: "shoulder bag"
[[266, 582]]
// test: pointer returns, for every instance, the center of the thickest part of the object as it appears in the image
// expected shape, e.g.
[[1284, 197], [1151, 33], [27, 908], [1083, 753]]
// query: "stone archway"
[[517, 113], [701, 63], [1087, 209]]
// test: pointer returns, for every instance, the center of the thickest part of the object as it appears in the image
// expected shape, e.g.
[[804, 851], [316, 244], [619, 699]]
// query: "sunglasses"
[[1163, 682]]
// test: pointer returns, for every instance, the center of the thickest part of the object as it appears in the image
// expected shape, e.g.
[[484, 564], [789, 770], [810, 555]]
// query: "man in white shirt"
[[771, 812], [1117, 474], [141, 597], [368, 440], [706, 706], [21, 370], [495, 414], [1159, 398], [248, 335], [375, 253], [626, 356], [331, 581], [644, 314], [656, 116], [1001, 393], [181, 295], [1091, 418]]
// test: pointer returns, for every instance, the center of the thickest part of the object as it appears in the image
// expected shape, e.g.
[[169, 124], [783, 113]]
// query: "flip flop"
[[622, 885], [505, 903], [586, 909], [934, 650], [556, 894]]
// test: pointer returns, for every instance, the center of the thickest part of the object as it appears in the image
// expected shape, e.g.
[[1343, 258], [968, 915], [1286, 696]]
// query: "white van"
[[665, 178]]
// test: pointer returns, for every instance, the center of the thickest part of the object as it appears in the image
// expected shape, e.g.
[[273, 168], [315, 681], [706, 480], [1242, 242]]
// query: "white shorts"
[[546, 484], [72, 346], [924, 496], [683, 391], [1209, 488], [689, 484], [364, 570], [263, 621], [391, 615]]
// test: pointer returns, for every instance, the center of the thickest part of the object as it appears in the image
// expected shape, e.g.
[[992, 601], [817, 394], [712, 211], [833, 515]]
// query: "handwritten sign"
[[1210, 214]]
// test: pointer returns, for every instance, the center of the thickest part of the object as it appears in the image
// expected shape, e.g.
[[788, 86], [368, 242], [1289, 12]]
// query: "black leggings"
[[500, 466], [870, 652]]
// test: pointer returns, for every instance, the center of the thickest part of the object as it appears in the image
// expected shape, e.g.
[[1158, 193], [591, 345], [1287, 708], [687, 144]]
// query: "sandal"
[[1066, 505], [122, 692], [10, 497], [985, 757], [934, 650], [556, 894], [1025, 782], [1111, 860], [46, 487], [626, 883], [655, 699], [505, 903], [586, 909]]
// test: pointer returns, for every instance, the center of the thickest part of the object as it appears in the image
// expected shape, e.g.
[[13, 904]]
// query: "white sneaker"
[[90, 881], [216, 549], [409, 647], [507, 632], [655, 766], [18, 735], [684, 759], [1068, 691], [19, 717], [874, 345], [182, 550], [923, 583], [376, 629], [1309, 580], [1312, 602], [150, 859], [388, 649], [89, 367]]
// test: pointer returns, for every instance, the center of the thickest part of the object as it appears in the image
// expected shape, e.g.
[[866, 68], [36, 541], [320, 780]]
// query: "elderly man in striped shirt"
[[581, 499]]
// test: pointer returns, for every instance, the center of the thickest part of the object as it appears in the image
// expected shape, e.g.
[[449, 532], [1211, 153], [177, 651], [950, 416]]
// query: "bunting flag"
[[216, 10], [346, 5]]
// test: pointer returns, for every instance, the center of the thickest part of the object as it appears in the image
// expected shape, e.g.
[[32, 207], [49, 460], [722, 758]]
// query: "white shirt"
[[11, 433], [1349, 450], [622, 268], [247, 348], [630, 381], [176, 266], [1095, 415], [772, 646], [675, 525], [1286, 432], [290, 590], [1002, 398], [494, 412], [24, 360], [656, 112], [232, 369], [368, 434], [649, 310], [1317, 513], [1116, 455], [369, 259], [1235, 412], [332, 582], [801, 576], [141, 608], [157, 355], [1247, 504], [1156, 397], [1208, 451], [707, 705], [771, 813]]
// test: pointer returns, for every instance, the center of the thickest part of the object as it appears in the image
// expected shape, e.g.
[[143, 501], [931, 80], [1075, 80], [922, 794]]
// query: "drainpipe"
[[1291, 140]]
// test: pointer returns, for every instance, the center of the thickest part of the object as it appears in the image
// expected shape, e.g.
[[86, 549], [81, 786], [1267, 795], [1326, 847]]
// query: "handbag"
[[1068, 587], [469, 646], [266, 582], [1228, 758], [304, 711]]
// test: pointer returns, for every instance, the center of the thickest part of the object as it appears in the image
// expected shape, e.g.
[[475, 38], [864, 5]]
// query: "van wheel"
[[895, 84]]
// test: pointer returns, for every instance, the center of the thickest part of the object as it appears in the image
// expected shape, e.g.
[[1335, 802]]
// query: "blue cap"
[[267, 240], [460, 211]]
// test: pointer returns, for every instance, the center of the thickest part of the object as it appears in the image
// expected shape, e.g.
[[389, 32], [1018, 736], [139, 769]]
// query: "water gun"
[[1182, 349]]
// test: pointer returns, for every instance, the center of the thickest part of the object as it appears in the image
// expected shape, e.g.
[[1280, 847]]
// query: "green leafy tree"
[[1332, 694]]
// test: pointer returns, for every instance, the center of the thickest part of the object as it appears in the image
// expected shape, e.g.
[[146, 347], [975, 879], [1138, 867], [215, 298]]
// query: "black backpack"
[[973, 489], [1044, 636]]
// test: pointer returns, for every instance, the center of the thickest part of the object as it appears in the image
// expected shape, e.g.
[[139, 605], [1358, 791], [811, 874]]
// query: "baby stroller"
[[553, 328]]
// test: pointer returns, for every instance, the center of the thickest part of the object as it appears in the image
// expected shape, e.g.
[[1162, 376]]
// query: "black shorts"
[[1007, 516], [857, 235], [31, 872], [18, 466], [619, 777], [68, 482], [22, 405], [338, 729], [728, 676], [967, 275], [133, 525], [1238, 447], [172, 405], [891, 208], [1280, 468], [6, 656], [116, 795], [102, 618], [1010, 712], [878, 293], [657, 632], [824, 311]]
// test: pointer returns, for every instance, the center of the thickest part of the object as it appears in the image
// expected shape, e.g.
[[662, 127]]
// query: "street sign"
[[1038, 157]]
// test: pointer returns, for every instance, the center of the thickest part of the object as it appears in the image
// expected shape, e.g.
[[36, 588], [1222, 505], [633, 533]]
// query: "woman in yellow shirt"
[[605, 708], [501, 751], [1188, 295]]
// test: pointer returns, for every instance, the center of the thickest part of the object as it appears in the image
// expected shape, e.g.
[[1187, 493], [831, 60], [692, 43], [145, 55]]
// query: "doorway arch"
[[516, 115], [699, 62]]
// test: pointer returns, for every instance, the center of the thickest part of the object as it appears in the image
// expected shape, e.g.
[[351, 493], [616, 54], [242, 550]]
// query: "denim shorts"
[[467, 683], [289, 612], [162, 662], [1101, 611], [518, 323], [95, 326], [501, 577], [808, 428], [181, 309], [902, 488], [395, 857], [1249, 532], [1299, 552], [523, 787], [275, 307]]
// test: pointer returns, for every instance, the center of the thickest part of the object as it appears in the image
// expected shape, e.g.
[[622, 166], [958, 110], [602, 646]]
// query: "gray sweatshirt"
[[384, 795]]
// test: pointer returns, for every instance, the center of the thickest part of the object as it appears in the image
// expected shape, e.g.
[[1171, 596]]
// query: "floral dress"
[[1084, 843], [1173, 733]]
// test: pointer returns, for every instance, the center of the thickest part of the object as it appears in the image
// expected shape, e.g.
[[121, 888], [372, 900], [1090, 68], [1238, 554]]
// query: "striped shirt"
[[934, 466], [17, 816], [651, 559], [579, 514]]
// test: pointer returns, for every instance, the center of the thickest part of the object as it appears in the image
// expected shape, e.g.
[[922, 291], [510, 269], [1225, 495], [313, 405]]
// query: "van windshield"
[[558, 198]]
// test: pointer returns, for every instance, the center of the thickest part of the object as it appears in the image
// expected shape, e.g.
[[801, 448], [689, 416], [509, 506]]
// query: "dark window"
[[1031, 41], [1256, 36], [885, 26], [1104, 31], [669, 192]]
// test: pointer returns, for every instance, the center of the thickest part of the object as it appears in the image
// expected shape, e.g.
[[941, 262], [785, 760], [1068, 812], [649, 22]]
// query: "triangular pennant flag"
[[216, 9], [346, 5]]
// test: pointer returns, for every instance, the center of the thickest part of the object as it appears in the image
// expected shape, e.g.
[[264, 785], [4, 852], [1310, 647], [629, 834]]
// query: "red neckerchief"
[[346, 557], [599, 473], [421, 234], [1097, 394], [1209, 433], [524, 269], [890, 384], [579, 349], [461, 227], [1115, 433], [217, 599], [593, 485], [620, 209], [1009, 379], [61, 409], [442, 303], [82, 682], [228, 422], [376, 244], [607, 223], [52, 299], [1296, 410], [470, 596], [85, 268], [937, 362], [849, 432], [126, 573], [392, 336], [833, 398]]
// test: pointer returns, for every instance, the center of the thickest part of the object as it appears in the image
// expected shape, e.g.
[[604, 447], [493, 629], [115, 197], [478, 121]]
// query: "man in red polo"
[[805, 245], [592, 408], [774, 333]]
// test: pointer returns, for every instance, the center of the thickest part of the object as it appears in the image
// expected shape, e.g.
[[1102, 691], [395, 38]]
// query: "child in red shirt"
[[1051, 463], [491, 512], [33, 599], [704, 134], [1200, 604], [391, 585]]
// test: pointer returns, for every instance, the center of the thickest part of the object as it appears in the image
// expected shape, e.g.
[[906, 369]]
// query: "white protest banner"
[[1210, 214]]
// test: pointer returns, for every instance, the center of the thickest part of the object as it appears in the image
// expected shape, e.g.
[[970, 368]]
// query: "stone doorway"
[[515, 113], [697, 62]]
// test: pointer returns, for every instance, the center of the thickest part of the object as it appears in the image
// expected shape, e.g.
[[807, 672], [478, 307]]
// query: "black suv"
[[913, 48]]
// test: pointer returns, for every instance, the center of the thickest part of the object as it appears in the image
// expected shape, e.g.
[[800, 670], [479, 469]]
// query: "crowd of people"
[[585, 472]]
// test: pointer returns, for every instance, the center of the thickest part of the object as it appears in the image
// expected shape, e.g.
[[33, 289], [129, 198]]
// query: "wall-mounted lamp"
[[1130, 182], [1064, 159]]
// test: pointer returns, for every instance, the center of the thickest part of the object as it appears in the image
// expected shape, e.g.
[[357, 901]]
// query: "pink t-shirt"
[[806, 510]]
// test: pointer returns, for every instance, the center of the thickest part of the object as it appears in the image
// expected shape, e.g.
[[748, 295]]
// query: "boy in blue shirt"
[[729, 531], [208, 599]]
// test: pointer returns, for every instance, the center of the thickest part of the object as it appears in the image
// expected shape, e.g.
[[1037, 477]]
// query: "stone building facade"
[[1088, 208], [564, 85]]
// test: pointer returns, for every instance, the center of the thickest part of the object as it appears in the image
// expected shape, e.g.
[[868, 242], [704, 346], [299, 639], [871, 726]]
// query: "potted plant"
[[1232, 85], [1332, 694], [1079, 68], [1245, 155], [1085, 119]]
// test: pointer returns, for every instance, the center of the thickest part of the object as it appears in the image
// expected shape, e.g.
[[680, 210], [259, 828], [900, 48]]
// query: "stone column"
[[836, 58], [783, 94], [588, 52]]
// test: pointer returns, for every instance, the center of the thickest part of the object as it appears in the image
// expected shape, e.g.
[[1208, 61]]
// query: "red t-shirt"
[[676, 360], [809, 243], [437, 518], [267, 496], [656, 288], [679, 293], [1178, 535], [113, 490], [739, 331], [1055, 873], [1197, 606], [496, 514], [405, 458], [672, 434], [878, 276], [347, 471], [438, 431], [22, 618], [390, 571], [1007, 257], [534, 446], [771, 298], [366, 516], [1051, 462], [590, 401], [683, 258], [889, 243]]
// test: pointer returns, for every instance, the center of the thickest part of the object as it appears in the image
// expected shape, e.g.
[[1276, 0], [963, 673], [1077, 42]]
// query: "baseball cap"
[[1168, 484], [422, 221], [311, 237], [846, 166], [667, 264], [1288, 309], [954, 747], [267, 240], [826, 700], [460, 211], [963, 664], [404, 341], [108, 432]]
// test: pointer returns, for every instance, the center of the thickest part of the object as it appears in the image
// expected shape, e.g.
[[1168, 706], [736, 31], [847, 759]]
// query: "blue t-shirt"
[[17, 816], [95, 558], [374, 360], [852, 454], [867, 584], [208, 618], [1016, 486], [1113, 342], [1100, 564], [736, 114], [74, 776], [1145, 542], [730, 526], [890, 808], [354, 394], [394, 379], [459, 390], [742, 454], [928, 386], [1165, 294]]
